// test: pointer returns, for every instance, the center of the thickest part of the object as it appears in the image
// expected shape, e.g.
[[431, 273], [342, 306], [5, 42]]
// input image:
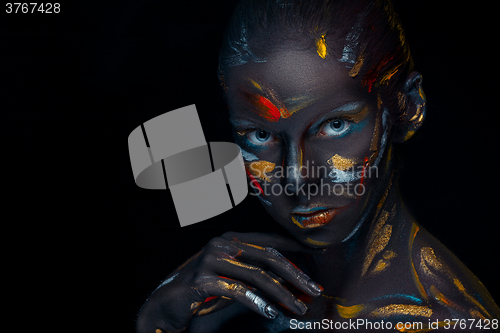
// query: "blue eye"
[[335, 127], [260, 137]]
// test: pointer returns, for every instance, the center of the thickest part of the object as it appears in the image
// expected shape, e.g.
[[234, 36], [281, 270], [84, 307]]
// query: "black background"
[[75, 84]]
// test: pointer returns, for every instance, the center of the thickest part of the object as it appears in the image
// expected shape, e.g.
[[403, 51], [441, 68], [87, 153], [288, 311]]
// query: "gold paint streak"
[[158, 330], [315, 242], [341, 163], [379, 102], [255, 84], [428, 256], [438, 296], [476, 314], [298, 103], [254, 246], [381, 266], [260, 168], [416, 279], [388, 75], [376, 133], [194, 305], [321, 46], [207, 310], [403, 309], [360, 115], [409, 134], [417, 114], [240, 264], [377, 246], [297, 223], [349, 311], [357, 66], [461, 287], [402, 100], [389, 255]]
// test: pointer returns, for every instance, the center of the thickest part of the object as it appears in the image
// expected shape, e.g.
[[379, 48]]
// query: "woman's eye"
[[335, 127], [260, 137]]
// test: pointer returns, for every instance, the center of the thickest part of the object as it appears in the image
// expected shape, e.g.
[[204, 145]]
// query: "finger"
[[273, 260], [274, 240], [263, 281], [220, 286]]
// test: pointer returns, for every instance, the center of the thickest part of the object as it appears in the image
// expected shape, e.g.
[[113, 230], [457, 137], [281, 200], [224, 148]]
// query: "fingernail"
[[300, 305], [314, 287], [271, 311]]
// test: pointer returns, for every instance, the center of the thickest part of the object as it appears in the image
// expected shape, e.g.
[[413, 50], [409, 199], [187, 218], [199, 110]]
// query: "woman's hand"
[[230, 268]]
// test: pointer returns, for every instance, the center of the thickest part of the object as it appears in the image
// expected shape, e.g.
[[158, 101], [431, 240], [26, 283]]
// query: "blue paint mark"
[[405, 296]]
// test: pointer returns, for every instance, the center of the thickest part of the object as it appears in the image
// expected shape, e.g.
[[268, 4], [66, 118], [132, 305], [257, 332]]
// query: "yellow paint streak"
[[461, 287], [389, 255], [409, 134], [297, 223], [259, 169], [321, 46], [295, 104], [349, 311], [357, 66], [255, 246], [402, 309], [317, 243], [379, 240], [476, 314], [341, 163], [255, 84], [360, 115], [438, 296], [382, 264], [402, 100], [387, 76], [416, 279]]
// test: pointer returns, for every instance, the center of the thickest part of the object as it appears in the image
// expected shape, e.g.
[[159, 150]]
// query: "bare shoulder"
[[446, 283]]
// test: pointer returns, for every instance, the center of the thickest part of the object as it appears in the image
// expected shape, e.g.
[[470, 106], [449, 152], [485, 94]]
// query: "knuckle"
[[230, 235], [215, 243]]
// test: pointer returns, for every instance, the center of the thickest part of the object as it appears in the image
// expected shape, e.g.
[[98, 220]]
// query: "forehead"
[[295, 74]]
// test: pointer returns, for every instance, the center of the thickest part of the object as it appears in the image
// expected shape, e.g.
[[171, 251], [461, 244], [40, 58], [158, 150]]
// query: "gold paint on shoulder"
[[402, 309], [379, 238], [350, 311]]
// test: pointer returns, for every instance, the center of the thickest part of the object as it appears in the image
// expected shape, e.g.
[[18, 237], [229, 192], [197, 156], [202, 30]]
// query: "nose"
[[295, 174]]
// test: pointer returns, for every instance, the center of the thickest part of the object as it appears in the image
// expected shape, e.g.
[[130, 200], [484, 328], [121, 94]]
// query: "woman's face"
[[314, 141]]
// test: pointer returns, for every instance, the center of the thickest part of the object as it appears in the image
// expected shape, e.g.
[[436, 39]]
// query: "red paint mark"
[[372, 76], [254, 182], [362, 180], [208, 299], [269, 110], [365, 165]]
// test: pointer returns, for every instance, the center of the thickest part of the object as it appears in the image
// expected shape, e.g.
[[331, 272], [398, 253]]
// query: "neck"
[[349, 260]]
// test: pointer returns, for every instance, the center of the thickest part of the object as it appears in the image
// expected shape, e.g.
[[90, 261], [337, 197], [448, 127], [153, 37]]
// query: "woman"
[[319, 94]]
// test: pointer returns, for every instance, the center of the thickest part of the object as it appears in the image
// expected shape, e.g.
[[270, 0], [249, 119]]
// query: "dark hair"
[[366, 35]]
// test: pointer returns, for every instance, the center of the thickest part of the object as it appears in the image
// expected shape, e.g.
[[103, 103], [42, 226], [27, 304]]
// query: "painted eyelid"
[[343, 133]]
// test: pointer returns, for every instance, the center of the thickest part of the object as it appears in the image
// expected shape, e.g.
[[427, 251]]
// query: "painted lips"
[[315, 218]]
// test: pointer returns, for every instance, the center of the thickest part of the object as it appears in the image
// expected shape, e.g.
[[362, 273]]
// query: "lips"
[[314, 217]]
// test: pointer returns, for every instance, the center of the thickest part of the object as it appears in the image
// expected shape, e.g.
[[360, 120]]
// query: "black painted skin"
[[389, 269]]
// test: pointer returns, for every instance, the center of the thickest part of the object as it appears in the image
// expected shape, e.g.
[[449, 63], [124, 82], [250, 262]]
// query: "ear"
[[414, 108]]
